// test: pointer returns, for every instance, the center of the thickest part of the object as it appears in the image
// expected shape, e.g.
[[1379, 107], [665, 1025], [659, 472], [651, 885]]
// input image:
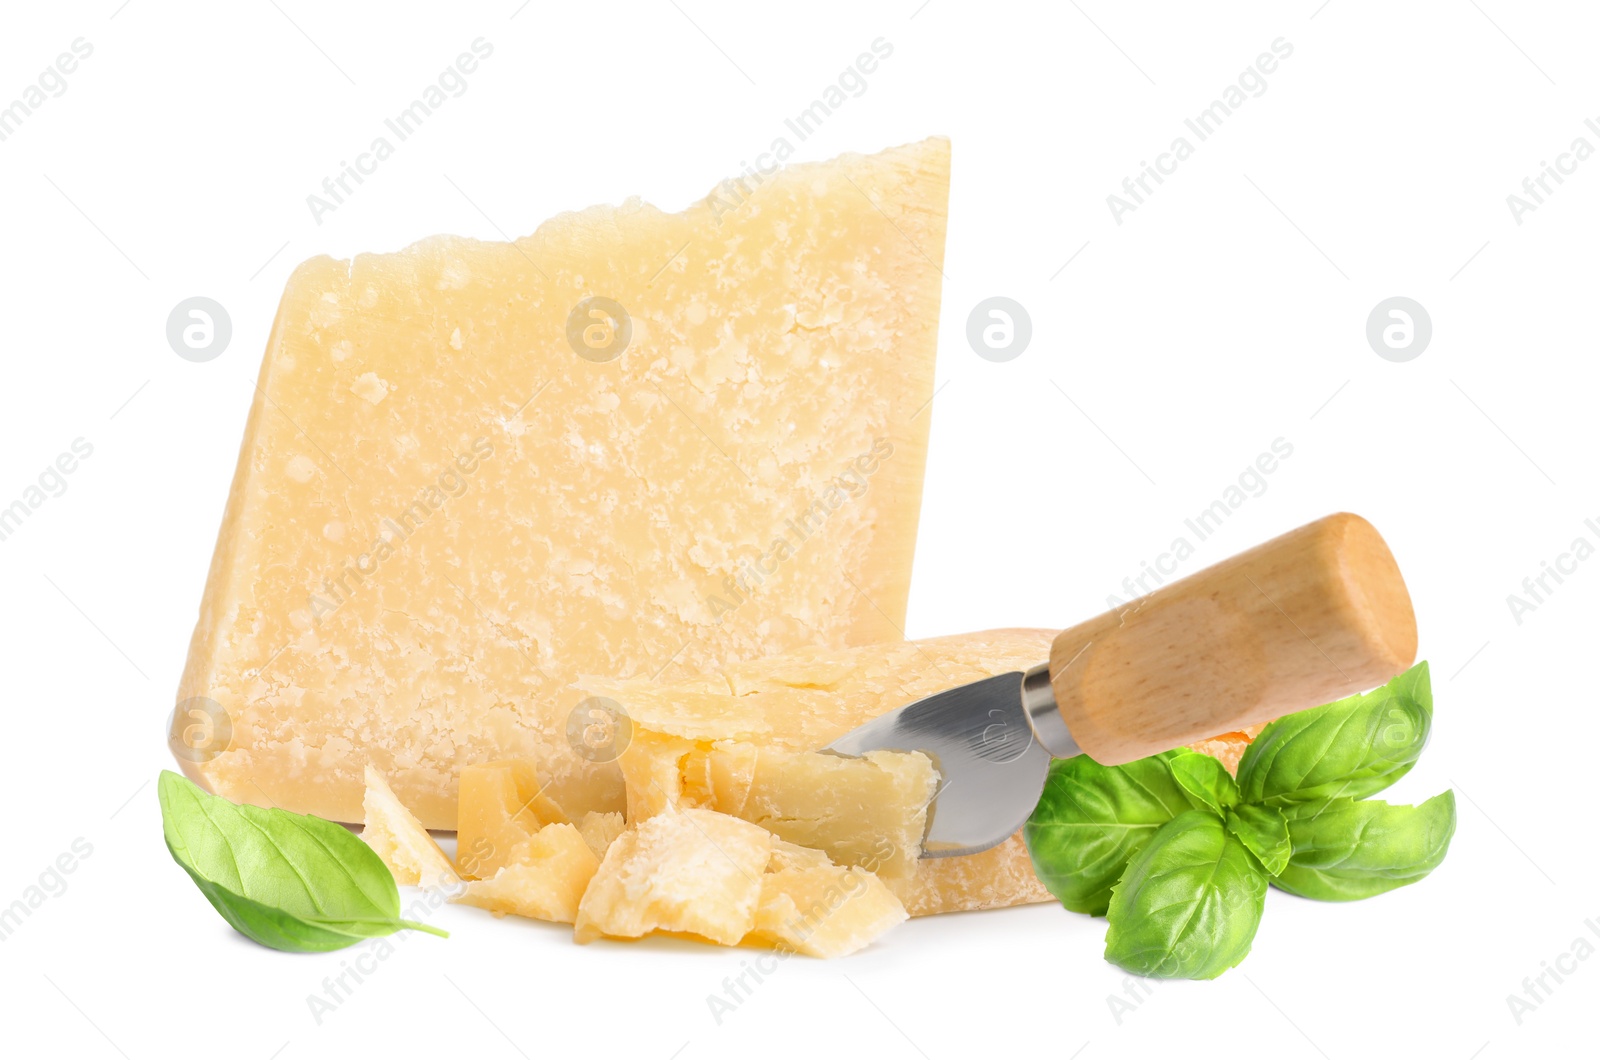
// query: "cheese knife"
[[1316, 614]]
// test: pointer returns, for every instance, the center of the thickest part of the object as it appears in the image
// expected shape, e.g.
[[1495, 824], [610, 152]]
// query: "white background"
[[1168, 351]]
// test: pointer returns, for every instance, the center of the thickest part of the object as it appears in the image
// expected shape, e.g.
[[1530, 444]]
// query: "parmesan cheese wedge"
[[692, 871], [600, 830], [631, 443], [398, 838], [869, 812], [502, 807], [810, 905], [547, 881]]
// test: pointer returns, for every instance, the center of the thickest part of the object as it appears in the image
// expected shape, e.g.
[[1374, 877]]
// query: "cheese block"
[[632, 444], [695, 742]]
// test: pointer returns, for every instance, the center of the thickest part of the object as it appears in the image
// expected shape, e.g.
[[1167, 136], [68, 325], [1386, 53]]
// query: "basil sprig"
[[287, 881], [1177, 854]]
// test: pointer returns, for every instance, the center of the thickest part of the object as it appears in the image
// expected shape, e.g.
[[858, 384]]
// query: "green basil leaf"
[[284, 880], [1264, 832], [1189, 904], [1205, 780], [1346, 850], [1348, 749], [1092, 819], [1414, 685]]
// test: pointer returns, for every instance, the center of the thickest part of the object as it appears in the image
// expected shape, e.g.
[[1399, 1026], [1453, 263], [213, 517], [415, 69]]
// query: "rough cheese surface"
[[443, 514], [399, 839], [502, 806], [700, 742], [546, 882], [693, 871], [600, 830], [869, 812], [989, 879], [810, 905]]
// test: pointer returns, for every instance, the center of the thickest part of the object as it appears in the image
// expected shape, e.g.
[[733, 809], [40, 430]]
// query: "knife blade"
[[980, 734]]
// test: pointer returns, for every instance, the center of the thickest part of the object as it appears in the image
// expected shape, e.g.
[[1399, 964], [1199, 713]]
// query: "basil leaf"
[[1347, 749], [1414, 685], [1189, 904], [1205, 780], [1092, 819], [1346, 850], [1264, 832], [284, 880]]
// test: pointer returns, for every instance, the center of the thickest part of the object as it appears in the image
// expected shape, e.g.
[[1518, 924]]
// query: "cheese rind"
[[447, 509]]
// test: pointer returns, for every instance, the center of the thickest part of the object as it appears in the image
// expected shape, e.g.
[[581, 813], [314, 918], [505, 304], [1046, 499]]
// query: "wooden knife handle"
[[1307, 618]]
